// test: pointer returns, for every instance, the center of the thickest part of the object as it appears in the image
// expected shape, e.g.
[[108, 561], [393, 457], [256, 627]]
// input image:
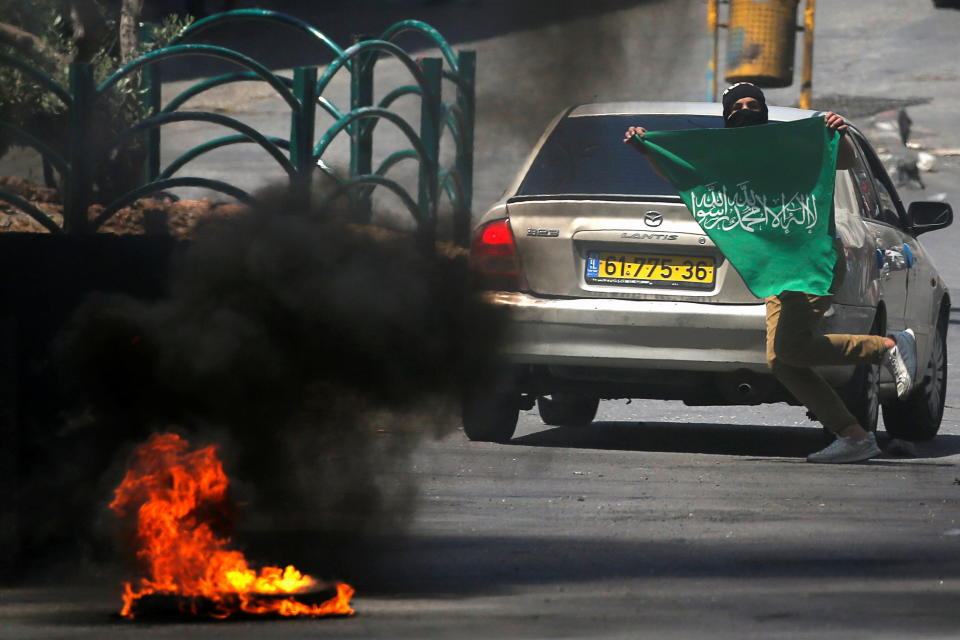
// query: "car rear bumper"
[[614, 333]]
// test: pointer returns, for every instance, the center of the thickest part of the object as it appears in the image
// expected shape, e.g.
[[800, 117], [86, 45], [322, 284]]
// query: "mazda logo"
[[653, 218]]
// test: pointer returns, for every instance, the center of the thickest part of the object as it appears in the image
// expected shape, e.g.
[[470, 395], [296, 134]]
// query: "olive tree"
[[51, 34]]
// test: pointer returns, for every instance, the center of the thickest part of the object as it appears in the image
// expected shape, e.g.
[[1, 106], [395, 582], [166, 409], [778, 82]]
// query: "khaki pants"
[[795, 344]]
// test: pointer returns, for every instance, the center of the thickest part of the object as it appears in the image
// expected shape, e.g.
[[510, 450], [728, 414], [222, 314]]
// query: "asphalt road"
[[677, 526], [659, 520]]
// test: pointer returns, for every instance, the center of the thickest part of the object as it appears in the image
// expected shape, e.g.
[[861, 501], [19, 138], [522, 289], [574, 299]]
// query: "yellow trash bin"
[[761, 38]]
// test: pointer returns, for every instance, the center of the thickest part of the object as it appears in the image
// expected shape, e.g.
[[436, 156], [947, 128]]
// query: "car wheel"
[[567, 410], [862, 393], [918, 417], [490, 414]]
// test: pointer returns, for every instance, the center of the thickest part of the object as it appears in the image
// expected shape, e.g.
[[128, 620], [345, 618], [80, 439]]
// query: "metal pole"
[[151, 104], [361, 136], [302, 129], [713, 11], [806, 85], [430, 109], [466, 100], [76, 197]]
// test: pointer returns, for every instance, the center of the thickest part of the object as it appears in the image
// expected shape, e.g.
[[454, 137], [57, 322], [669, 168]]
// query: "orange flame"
[[176, 494]]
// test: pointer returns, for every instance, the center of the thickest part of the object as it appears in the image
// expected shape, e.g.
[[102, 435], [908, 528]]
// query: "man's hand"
[[835, 122], [628, 138]]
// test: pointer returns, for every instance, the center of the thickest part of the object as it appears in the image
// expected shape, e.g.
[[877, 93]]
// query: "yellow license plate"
[[649, 269]]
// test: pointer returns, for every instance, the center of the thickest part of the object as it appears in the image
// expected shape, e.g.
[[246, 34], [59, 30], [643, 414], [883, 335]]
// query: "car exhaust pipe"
[[744, 387]]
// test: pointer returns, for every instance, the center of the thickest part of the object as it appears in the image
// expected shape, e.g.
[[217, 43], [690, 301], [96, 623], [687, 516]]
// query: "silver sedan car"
[[685, 327]]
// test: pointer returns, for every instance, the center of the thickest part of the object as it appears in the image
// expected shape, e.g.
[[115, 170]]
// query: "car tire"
[[490, 414], [862, 393], [567, 410], [918, 417]]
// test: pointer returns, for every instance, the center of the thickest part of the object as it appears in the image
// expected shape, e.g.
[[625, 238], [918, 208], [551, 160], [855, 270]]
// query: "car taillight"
[[494, 260]]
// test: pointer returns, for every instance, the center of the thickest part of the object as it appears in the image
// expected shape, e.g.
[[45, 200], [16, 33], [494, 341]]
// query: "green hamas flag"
[[764, 195]]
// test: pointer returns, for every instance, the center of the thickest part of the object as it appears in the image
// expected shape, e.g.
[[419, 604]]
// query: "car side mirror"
[[929, 216]]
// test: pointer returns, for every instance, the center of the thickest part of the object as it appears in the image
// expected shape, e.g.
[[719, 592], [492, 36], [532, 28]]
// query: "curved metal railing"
[[458, 117], [300, 154], [259, 15]]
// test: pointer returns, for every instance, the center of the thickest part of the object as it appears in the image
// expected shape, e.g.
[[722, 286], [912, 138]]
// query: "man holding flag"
[[773, 220]]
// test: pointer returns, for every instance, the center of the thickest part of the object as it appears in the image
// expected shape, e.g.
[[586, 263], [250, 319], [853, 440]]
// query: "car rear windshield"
[[585, 155]]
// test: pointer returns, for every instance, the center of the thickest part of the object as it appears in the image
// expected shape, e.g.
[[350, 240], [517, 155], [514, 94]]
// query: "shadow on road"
[[463, 565], [453, 567], [718, 439]]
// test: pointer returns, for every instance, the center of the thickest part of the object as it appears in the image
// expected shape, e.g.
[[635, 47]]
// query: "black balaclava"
[[743, 117]]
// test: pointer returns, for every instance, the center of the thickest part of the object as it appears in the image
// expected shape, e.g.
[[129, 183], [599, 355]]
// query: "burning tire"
[[174, 505], [567, 411]]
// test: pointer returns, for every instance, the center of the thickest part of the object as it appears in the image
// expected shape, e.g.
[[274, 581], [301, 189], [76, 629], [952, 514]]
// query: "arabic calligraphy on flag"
[[753, 211], [764, 195]]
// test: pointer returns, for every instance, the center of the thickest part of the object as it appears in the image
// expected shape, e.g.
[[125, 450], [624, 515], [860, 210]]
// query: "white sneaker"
[[847, 450], [902, 361]]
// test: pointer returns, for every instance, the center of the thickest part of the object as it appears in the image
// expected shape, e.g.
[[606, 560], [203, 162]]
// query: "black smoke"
[[317, 352]]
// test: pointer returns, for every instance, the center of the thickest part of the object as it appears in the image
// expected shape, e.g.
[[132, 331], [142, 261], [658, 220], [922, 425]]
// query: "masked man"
[[794, 341]]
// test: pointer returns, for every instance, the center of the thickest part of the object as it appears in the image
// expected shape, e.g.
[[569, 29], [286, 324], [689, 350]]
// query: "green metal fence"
[[300, 153]]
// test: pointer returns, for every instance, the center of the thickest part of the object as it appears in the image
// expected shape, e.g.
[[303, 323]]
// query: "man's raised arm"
[[631, 138], [845, 153]]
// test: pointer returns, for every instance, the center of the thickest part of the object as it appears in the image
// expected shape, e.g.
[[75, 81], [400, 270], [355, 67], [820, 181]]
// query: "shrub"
[[49, 35]]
